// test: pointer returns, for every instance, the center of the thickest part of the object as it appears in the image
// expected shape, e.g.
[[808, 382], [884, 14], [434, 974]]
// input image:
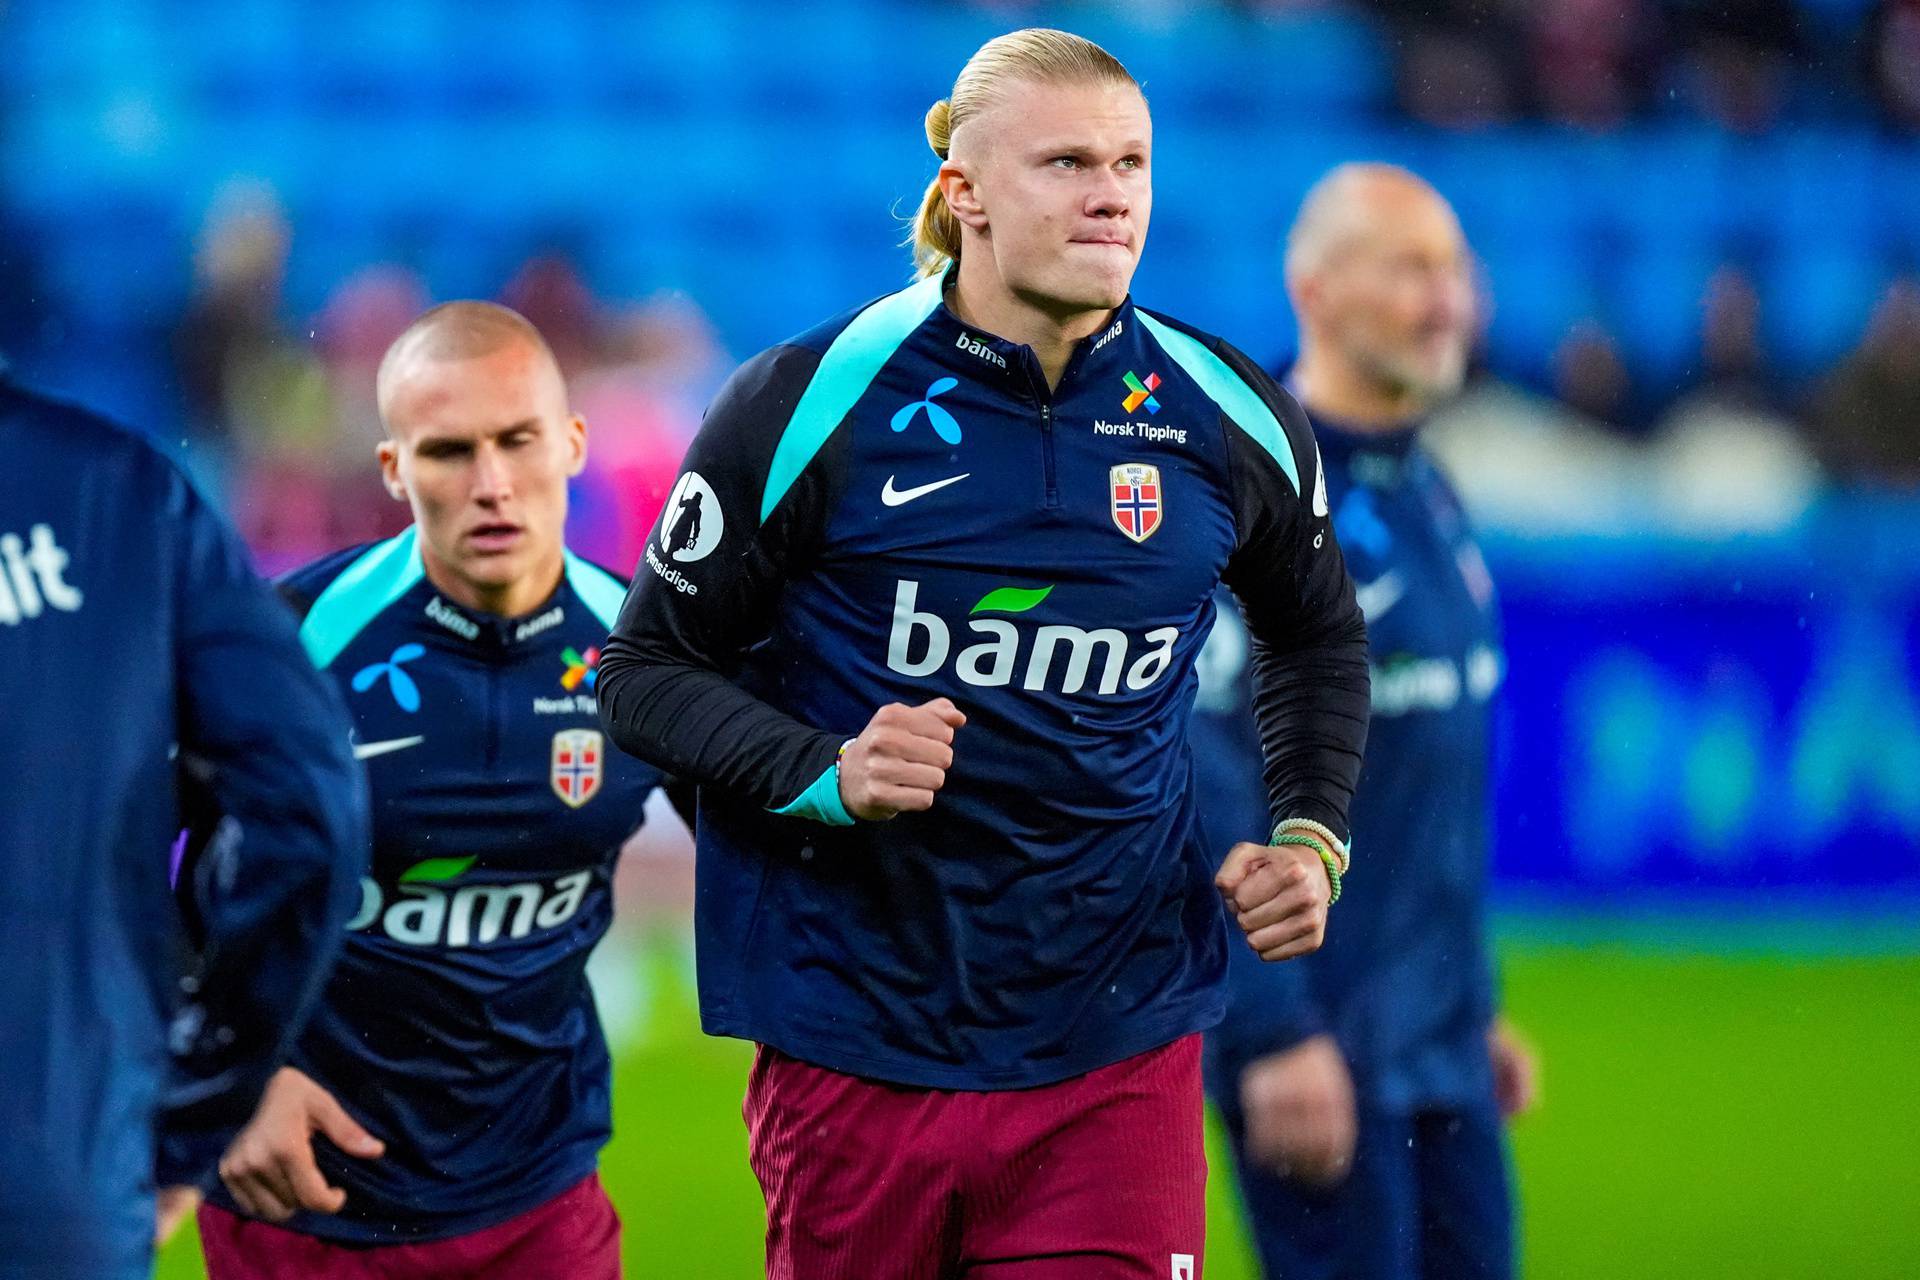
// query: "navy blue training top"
[[1404, 981], [895, 507], [459, 1027], [149, 680]]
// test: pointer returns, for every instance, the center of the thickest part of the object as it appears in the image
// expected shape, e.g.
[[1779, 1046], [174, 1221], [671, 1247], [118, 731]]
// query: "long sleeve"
[[745, 512], [278, 827], [1309, 639]]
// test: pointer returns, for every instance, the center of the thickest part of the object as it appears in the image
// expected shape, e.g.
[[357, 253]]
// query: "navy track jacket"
[[148, 680], [459, 1027], [895, 507], [1404, 982]]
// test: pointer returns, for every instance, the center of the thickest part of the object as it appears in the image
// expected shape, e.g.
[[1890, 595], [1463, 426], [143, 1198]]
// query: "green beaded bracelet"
[[1327, 860]]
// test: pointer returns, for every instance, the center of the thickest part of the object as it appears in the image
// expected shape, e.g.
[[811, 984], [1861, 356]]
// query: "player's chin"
[[495, 568], [1093, 291]]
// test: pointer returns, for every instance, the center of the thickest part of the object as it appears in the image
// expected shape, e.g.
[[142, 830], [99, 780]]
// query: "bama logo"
[[424, 910], [1057, 657]]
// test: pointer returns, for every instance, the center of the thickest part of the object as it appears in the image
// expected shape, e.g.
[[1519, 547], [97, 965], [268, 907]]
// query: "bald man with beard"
[[1366, 1087], [444, 1112]]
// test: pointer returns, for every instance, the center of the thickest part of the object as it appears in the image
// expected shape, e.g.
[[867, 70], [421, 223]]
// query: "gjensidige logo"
[[692, 524]]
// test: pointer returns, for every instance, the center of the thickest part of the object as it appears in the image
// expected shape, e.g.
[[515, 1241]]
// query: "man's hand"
[[270, 1167], [1278, 894], [1299, 1112], [1516, 1069], [171, 1207], [899, 760]]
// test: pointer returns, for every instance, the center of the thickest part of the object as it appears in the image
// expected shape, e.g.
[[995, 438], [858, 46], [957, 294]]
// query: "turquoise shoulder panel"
[[602, 592], [1228, 390], [359, 595], [845, 372], [821, 801]]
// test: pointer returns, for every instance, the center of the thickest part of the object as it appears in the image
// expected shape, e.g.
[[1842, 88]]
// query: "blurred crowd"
[[1598, 64], [276, 398], [281, 415]]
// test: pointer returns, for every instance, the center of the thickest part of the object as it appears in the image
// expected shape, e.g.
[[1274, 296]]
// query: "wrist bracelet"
[[1327, 859], [1307, 826]]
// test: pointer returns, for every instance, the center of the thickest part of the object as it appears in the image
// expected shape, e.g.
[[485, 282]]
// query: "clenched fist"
[[899, 760], [1278, 895]]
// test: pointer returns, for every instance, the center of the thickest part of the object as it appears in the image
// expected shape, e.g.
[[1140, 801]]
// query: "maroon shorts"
[[574, 1236], [1099, 1177]]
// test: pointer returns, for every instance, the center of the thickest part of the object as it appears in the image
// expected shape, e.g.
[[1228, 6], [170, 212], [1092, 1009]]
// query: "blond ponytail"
[[936, 232], [1038, 54]]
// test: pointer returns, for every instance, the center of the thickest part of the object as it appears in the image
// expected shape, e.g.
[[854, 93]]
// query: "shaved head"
[[1381, 279], [1350, 204], [459, 331], [481, 444]]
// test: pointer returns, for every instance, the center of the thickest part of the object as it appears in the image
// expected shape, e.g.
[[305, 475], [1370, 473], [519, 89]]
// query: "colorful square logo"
[[1141, 393]]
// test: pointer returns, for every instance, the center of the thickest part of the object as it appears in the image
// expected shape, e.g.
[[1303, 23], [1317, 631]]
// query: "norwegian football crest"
[[1138, 506], [578, 762]]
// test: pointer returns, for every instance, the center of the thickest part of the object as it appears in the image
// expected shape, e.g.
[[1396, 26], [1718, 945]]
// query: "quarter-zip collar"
[[489, 633], [1013, 365]]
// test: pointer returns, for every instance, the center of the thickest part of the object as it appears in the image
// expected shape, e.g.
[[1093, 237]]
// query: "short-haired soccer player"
[[930, 658], [1364, 1087], [444, 1113]]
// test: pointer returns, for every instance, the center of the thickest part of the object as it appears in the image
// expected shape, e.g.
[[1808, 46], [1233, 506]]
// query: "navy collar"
[[490, 631], [1374, 454], [994, 358]]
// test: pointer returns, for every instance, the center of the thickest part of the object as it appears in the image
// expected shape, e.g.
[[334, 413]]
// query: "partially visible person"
[[149, 680], [444, 1113], [1863, 423], [1366, 1086], [919, 619]]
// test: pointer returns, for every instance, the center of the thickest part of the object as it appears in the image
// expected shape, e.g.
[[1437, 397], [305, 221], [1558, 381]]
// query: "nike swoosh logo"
[[1380, 595], [896, 497], [368, 750]]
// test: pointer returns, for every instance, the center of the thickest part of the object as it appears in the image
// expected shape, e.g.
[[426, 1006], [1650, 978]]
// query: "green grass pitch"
[[1740, 1113]]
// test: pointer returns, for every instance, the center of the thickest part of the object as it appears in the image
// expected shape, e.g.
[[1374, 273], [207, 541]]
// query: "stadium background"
[[1692, 443]]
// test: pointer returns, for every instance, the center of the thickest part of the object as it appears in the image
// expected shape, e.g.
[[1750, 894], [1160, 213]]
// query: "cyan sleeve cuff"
[[821, 801]]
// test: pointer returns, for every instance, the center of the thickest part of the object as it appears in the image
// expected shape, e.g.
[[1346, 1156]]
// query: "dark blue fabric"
[[148, 680], [1404, 980], [1429, 1197], [459, 1026], [1054, 911]]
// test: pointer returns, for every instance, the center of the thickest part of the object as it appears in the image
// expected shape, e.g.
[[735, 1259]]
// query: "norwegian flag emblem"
[[1138, 506], [579, 759]]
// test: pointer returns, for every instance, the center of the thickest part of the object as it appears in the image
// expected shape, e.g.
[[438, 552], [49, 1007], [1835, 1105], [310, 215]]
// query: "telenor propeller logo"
[[582, 668], [406, 694], [943, 422], [1141, 393]]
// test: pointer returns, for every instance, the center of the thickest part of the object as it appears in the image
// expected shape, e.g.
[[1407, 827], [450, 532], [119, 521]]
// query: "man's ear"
[[577, 444], [962, 196], [389, 455]]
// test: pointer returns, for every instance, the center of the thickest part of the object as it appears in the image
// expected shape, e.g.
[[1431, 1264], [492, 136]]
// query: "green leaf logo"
[[1011, 599], [435, 869]]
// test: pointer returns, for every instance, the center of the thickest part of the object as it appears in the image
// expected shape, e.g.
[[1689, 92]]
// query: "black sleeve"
[[1310, 681], [666, 688], [278, 820]]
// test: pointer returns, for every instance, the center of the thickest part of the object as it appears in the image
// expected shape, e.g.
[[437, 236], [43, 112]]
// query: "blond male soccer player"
[[929, 653], [1364, 1087], [443, 1114]]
